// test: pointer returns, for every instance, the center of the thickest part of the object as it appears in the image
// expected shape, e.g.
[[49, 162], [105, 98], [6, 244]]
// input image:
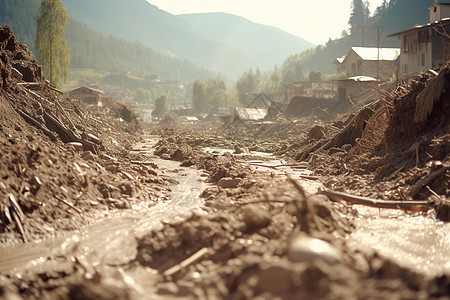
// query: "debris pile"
[[60, 164]]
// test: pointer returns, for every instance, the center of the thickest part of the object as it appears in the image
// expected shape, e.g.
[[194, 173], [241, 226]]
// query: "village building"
[[375, 62], [311, 89], [86, 94], [426, 46]]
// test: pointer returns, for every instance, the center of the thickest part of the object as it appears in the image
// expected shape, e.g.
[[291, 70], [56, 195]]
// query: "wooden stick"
[[392, 204], [188, 261], [68, 204], [415, 189], [36, 123]]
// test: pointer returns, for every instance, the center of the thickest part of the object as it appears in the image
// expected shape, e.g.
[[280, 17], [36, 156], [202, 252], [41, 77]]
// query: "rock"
[[255, 217], [228, 182], [113, 168], [317, 132], [88, 156], [274, 279], [304, 248]]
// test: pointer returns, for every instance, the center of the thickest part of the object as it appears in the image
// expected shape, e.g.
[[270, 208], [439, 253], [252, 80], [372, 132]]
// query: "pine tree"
[[359, 15], [52, 50]]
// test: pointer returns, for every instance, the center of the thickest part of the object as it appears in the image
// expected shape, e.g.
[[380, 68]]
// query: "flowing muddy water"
[[112, 240], [415, 241], [418, 242]]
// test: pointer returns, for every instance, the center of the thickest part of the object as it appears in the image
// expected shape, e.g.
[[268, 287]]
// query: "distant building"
[[311, 89], [368, 61], [349, 88], [86, 94], [423, 47]]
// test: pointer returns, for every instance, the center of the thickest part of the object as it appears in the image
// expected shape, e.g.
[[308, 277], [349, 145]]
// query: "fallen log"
[[391, 204]]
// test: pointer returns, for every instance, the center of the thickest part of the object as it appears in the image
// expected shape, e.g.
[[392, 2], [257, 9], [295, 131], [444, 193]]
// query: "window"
[[405, 44], [359, 64], [423, 36], [353, 66], [423, 59]]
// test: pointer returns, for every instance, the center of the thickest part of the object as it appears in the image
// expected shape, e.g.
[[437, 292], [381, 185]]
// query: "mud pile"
[[394, 148], [248, 250], [60, 164]]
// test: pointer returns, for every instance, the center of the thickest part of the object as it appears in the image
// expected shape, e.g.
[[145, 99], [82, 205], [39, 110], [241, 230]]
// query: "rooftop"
[[370, 53]]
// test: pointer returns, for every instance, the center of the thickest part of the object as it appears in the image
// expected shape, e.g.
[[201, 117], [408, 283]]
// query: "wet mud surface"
[[98, 206]]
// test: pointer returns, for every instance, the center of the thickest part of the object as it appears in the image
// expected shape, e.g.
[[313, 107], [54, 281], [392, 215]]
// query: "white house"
[[425, 47]]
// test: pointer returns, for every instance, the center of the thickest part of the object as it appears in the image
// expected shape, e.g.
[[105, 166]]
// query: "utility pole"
[[363, 28], [378, 51]]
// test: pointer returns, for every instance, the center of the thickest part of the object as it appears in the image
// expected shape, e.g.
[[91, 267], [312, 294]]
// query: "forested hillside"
[[396, 16], [90, 49], [223, 43], [139, 21], [265, 46], [21, 16]]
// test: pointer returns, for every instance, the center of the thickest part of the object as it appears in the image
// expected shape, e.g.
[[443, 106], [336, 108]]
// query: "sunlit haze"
[[314, 20]]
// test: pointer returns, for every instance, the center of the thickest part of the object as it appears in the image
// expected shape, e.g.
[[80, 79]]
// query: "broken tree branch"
[[391, 204], [36, 123], [415, 189]]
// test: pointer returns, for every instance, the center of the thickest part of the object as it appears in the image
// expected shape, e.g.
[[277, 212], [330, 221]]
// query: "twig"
[[188, 261], [68, 204], [392, 204], [265, 201]]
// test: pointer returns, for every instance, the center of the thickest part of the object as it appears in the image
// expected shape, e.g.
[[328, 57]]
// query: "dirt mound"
[[57, 164]]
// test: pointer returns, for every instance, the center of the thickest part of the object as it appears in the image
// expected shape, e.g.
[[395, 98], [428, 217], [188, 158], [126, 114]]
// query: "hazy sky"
[[313, 20]]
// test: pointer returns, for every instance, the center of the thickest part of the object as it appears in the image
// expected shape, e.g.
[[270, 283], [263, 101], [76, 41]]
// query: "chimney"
[[439, 11]]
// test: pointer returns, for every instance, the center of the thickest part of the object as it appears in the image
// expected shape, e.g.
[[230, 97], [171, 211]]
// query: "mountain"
[[139, 21], [186, 37], [93, 50], [397, 16], [265, 46]]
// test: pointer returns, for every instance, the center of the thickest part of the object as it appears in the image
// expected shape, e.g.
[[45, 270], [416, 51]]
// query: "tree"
[[315, 75], [359, 15], [52, 50], [248, 83], [199, 95], [292, 69], [161, 106], [142, 95]]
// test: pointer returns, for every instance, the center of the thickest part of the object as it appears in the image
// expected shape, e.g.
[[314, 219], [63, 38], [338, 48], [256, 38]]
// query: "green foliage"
[[161, 106], [142, 95], [21, 17], [292, 69], [271, 82], [359, 14], [315, 75], [53, 52], [207, 96], [248, 83], [94, 50]]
